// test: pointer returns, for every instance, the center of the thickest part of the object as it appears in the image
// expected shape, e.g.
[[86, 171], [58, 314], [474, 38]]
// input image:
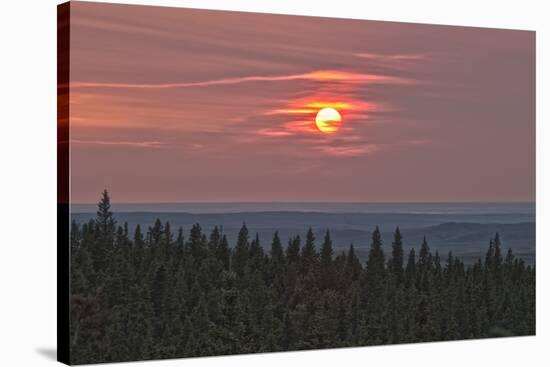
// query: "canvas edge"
[[63, 182]]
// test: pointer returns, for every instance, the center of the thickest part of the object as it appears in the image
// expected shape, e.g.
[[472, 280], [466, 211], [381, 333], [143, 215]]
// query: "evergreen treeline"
[[155, 294]]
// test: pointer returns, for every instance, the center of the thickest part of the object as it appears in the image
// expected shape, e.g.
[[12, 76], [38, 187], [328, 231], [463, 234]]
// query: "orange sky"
[[176, 105]]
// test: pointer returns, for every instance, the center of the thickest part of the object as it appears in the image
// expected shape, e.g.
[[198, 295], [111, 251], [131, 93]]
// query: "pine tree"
[[309, 254], [256, 254], [410, 270], [197, 243], [326, 267], [240, 256], [104, 219], [490, 255], [224, 253], [277, 254], [353, 264], [326, 252], [214, 241], [397, 257], [374, 286], [424, 268], [375, 262], [105, 231], [424, 257], [199, 344], [497, 261], [293, 250], [288, 335]]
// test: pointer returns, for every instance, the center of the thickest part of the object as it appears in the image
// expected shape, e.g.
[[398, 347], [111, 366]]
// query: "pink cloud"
[[273, 132], [137, 144], [348, 151], [395, 57], [321, 75]]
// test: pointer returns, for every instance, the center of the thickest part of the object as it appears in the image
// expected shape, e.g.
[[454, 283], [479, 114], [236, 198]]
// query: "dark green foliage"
[[396, 264], [309, 254], [277, 253], [327, 276], [159, 296], [241, 253], [293, 250]]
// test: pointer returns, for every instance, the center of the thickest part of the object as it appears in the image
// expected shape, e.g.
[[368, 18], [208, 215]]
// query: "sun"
[[328, 120]]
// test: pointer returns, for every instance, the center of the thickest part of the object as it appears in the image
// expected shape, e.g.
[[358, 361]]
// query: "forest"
[[159, 293]]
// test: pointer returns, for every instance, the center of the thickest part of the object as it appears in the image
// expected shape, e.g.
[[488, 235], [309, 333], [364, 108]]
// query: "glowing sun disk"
[[328, 120]]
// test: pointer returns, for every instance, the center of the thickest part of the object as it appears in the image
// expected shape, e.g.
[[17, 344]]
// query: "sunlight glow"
[[328, 120]]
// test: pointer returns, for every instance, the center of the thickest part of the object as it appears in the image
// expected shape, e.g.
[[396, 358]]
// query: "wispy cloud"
[[137, 144], [394, 57], [352, 147], [348, 151], [273, 132], [319, 76]]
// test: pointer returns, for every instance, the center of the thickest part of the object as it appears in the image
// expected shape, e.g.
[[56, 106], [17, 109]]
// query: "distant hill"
[[467, 235]]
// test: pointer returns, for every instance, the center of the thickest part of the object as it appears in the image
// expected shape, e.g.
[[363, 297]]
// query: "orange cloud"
[[322, 75]]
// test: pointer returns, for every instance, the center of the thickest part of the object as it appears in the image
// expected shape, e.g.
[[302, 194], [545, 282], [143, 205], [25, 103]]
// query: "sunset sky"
[[179, 105]]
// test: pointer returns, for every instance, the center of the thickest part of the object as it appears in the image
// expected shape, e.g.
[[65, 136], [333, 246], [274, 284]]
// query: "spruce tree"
[[256, 254], [497, 260], [327, 275], [197, 243], [309, 254], [105, 232], [375, 262], [277, 253], [241, 253], [104, 219], [214, 241], [410, 270], [326, 252], [397, 257], [224, 253], [374, 284], [353, 265], [293, 250]]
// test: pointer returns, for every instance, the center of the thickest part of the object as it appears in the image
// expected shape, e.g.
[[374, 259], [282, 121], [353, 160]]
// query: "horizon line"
[[313, 202]]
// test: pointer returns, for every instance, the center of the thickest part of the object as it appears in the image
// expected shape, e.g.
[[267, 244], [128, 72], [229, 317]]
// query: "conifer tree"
[[277, 253], [326, 267], [424, 256], [374, 282], [214, 241], [240, 256], [489, 256], [326, 252], [309, 254], [375, 262], [197, 243], [224, 253], [104, 219], [105, 231], [256, 253], [293, 250], [397, 257], [410, 270], [497, 260], [199, 344]]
